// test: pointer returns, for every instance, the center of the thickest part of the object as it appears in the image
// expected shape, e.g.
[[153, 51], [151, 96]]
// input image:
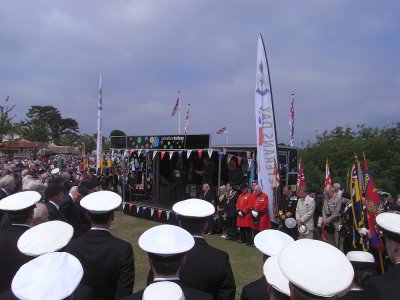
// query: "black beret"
[[53, 190]]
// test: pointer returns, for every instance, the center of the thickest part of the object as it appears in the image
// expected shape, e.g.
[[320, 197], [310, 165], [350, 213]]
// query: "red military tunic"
[[243, 205], [260, 205]]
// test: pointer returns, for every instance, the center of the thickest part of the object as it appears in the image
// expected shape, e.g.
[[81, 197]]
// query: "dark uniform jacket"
[[54, 213], [11, 259], [354, 295], [107, 262], [385, 286], [189, 293], [208, 269], [256, 290]]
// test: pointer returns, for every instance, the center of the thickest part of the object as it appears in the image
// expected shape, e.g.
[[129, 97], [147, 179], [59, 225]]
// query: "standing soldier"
[[287, 209], [243, 220], [331, 216], [259, 211]]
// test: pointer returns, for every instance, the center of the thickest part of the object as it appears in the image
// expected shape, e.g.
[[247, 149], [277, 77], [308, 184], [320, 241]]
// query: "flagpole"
[[179, 113], [227, 138], [99, 126]]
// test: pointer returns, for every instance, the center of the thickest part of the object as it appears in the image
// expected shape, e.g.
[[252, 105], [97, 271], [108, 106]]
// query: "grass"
[[246, 261]]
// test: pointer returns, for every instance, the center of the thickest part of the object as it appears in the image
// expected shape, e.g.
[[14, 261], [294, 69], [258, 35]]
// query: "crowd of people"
[[55, 227]]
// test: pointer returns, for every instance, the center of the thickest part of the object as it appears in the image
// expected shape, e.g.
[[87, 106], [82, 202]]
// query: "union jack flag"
[[222, 130], [176, 107]]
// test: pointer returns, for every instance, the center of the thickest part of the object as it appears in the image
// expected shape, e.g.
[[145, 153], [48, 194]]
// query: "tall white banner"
[[265, 125], [99, 146]]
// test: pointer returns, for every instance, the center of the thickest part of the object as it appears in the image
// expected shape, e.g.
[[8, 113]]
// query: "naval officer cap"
[[163, 289], [101, 202], [271, 242], [50, 276], [361, 259], [44, 238], [166, 241], [390, 225], [316, 268], [19, 201], [55, 171], [195, 208], [275, 277]]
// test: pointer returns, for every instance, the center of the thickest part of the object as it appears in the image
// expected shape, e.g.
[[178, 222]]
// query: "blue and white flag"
[[265, 128]]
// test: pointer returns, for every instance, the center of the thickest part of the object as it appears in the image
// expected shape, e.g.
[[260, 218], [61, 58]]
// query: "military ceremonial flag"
[[357, 207], [187, 119], [265, 126], [291, 122], [374, 207], [328, 180], [99, 146], [301, 180]]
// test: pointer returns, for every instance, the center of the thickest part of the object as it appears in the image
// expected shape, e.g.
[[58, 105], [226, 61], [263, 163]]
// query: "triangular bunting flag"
[[145, 153], [130, 152], [143, 210], [123, 205], [162, 154], [167, 212], [180, 154], [137, 209], [154, 154], [200, 152], [228, 159], [239, 159], [159, 212], [176, 217], [151, 211], [188, 153], [138, 152], [171, 153], [210, 152]]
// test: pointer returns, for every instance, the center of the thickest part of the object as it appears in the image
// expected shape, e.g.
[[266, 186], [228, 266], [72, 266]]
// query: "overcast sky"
[[340, 58]]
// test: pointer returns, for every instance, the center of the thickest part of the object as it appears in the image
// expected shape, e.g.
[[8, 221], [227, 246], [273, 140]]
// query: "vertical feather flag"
[[265, 126], [187, 119], [357, 207], [291, 122], [328, 180], [373, 205], [99, 145]]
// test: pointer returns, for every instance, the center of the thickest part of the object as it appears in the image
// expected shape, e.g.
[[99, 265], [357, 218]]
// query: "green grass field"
[[246, 261]]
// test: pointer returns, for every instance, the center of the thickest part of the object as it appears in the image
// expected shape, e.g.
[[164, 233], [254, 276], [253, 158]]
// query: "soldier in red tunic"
[[259, 211], [243, 220]]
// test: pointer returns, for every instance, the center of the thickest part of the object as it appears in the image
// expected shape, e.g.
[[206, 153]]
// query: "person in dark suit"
[[19, 208], [166, 247], [108, 262], [206, 268], [55, 195], [270, 242], [387, 286]]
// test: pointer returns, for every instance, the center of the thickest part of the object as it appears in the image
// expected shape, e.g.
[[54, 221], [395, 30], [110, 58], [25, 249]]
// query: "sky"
[[340, 58]]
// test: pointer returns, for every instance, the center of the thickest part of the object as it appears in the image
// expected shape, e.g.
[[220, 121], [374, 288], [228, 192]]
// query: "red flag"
[[328, 180], [199, 152], [162, 154], [291, 122], [276, 174], [301, 182], [176, 108], [159, 212], [374, 207]]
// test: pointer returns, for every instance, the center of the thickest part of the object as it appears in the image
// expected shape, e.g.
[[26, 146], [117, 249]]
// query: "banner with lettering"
[[265, 127]]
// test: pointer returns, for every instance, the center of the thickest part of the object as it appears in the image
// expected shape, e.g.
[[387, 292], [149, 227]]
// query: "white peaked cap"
[[290, 223], [50, 276], [196, 208], [55, 171], [389, 222], [101, 202], [166, 240], [44, 238], [165, 290], [275, 277], [316, 268], [271, 242], [19, 201], [360, 256]]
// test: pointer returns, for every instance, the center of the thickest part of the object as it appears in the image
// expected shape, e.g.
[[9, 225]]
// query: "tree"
[[5, 119], [117, 132], [45, 123]]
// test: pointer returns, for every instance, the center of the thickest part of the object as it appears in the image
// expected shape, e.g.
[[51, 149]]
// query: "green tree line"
[[380, 146]]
